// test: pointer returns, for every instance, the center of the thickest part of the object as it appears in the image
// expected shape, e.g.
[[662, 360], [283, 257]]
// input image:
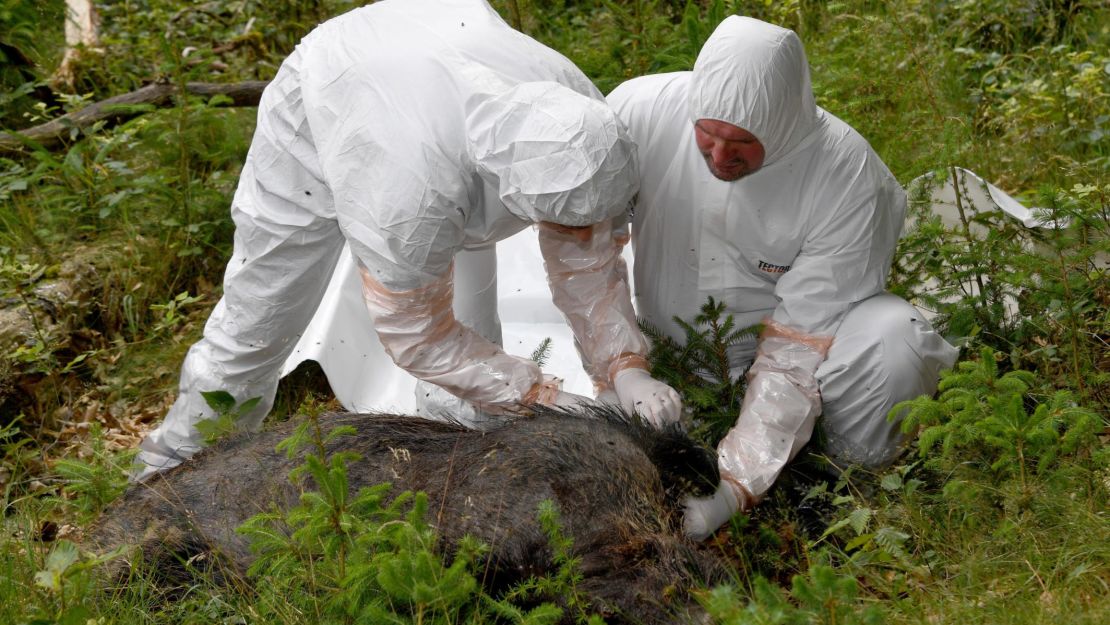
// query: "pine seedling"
[[307, 546], [542, 353], [563, 583], [700, 370], [396, 576], [832, 599], [90, 485], [953, 419], [984, 417], [1054, 428]]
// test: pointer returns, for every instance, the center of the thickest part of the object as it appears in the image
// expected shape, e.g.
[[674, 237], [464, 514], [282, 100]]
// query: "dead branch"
[[55, 133]]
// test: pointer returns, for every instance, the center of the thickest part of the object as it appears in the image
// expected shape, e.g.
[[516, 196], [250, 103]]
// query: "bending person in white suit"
[[413, 130], [756, 196]]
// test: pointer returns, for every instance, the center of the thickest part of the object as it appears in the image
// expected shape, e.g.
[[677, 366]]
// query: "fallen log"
[[114, 110]]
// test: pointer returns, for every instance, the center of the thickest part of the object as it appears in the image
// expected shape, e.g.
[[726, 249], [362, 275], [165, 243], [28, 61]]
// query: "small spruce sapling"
[[699, 368], [542, 353], [563, 583], [984, 418], [89, 485]]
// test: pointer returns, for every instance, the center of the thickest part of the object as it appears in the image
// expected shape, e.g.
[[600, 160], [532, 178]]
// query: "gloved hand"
[[656, 402], [609, 397], [703, 515], [563, 399]]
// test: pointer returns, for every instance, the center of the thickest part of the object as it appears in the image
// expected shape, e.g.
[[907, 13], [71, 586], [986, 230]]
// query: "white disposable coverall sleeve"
[[589, 284], [419, 331], [780, 408]]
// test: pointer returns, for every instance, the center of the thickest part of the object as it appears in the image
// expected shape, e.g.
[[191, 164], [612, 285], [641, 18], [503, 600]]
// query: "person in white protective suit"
[[756, 196], [413, 130]]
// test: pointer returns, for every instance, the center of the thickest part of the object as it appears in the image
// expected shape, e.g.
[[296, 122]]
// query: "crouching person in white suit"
[[413, 130], [756, 196]]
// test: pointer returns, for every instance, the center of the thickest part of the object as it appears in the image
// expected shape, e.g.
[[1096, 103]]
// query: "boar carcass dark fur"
[[617, 485]]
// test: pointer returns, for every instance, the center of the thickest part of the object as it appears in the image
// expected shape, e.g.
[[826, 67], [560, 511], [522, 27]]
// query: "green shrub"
[[366, 557], [822, 596], [993, 421]]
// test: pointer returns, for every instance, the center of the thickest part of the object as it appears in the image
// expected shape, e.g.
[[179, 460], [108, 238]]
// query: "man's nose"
[[719, 152]]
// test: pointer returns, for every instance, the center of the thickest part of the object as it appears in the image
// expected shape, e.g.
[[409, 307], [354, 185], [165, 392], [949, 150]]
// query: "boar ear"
[[685, 467]]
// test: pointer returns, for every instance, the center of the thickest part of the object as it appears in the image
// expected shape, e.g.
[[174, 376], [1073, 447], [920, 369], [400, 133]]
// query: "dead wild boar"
[[617, 485]]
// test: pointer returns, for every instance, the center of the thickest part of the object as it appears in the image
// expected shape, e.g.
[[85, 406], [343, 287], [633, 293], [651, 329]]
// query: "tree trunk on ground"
[[114, 110]]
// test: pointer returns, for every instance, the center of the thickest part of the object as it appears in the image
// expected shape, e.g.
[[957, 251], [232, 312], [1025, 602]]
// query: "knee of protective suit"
[[885, 352]]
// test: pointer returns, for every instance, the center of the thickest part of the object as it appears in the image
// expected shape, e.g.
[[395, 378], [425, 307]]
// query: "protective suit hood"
[[755, 75], [553, 154]]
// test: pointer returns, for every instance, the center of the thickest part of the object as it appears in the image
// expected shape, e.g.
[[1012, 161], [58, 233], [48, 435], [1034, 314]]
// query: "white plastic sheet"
[[976, 196], [341, 337]]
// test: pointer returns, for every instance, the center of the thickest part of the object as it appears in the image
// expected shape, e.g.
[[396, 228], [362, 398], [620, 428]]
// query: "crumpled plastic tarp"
[[976, 196]]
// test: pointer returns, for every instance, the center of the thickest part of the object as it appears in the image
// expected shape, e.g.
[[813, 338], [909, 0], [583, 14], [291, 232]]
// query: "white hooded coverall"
[[803, 244], [413, 130]]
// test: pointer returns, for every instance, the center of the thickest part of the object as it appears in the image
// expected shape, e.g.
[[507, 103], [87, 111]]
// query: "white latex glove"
[[609, 397], [656, 402], [563, 399], [703, 515]]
